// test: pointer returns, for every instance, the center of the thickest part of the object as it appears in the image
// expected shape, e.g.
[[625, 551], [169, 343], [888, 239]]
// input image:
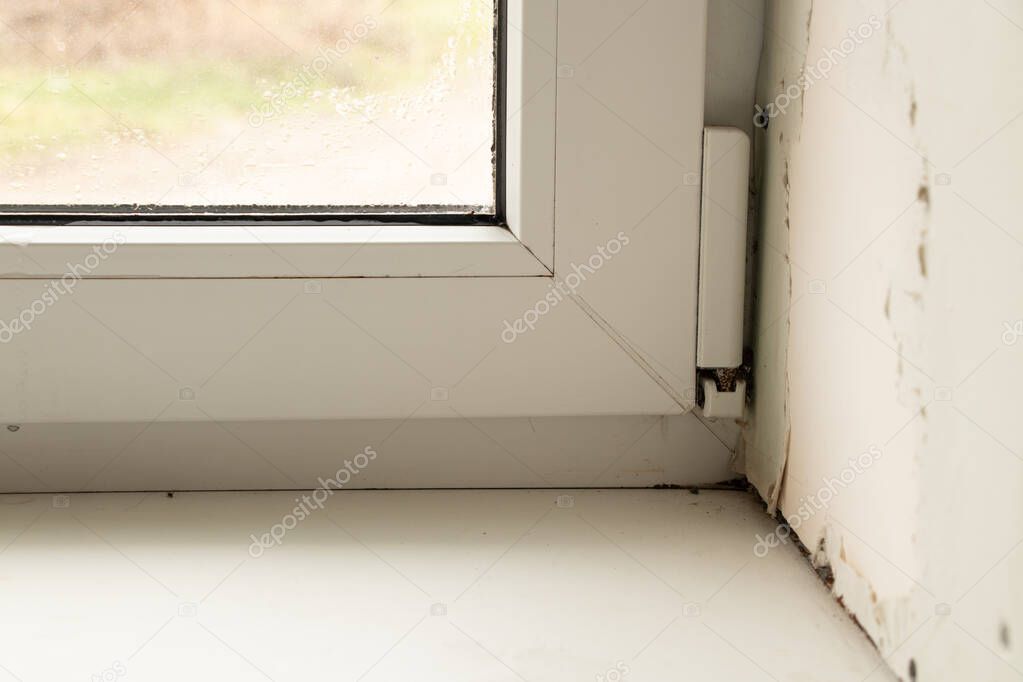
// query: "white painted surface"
[[735, 38], [415, 453], [295, 251], [627, 156], [892, 253], [120, 350], [266, 251], [531, 125], [472, 585]]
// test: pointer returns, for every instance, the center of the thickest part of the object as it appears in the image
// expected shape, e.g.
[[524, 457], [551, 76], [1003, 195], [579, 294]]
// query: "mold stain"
[[923, 195]]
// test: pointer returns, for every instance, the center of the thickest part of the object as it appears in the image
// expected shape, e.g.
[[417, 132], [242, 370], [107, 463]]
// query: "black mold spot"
[[824, 570], [924, 195]]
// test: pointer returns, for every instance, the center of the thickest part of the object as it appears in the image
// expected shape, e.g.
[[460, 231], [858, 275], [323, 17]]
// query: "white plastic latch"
[[723, 405]]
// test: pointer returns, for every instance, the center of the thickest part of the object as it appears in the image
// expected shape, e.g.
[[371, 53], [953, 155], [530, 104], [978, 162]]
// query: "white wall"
[[890, 261]]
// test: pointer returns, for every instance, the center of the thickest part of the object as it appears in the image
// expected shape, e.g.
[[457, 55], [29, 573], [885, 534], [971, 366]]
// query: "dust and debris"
[[888, 304], [1003, 635], [921, 254], [912, 110], [726, 378], [912, 670], [740, 483], [821, 564]]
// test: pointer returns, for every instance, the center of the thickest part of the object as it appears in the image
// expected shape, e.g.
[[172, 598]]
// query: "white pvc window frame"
[[604, 135], [522, 248]]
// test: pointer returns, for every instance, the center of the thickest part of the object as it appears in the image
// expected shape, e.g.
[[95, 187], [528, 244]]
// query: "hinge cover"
[[722, 276]]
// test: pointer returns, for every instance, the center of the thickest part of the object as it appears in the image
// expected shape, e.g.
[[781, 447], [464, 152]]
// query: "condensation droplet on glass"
[[428, 88]]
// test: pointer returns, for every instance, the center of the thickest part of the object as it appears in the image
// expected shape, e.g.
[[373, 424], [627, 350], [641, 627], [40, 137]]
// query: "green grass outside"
[[39, 108]]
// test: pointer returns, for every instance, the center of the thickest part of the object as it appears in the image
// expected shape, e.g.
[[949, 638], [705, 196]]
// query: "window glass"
[[330, 103]]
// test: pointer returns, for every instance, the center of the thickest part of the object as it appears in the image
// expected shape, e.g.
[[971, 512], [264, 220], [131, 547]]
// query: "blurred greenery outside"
[[43, 107]]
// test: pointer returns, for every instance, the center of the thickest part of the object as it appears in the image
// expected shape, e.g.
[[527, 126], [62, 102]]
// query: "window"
[[250, 107], [326, 321]]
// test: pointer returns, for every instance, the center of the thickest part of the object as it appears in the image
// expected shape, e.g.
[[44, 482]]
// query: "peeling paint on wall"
[[767, 439], [890, 254]]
